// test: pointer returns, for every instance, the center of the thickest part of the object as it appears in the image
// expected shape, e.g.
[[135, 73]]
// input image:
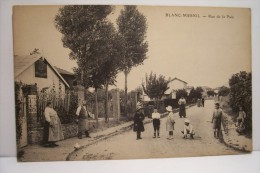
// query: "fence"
[[65, 105]]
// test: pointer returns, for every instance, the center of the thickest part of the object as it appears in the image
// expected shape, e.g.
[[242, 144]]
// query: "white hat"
[[169, 108], [187, 121]]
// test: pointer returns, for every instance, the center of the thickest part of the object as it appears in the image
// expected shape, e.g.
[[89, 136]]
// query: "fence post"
[[116, 104]]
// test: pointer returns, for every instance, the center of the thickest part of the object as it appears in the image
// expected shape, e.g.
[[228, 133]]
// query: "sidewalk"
[[38, 153], [233, 140]]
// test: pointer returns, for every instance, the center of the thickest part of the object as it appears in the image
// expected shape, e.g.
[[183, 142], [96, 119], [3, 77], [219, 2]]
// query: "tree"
[[199, 91], [80, 26], [132, 28], [241, 94], [211, 93], [35, 51], [154, 86], [89, 35], [180, 93], [223, 91]]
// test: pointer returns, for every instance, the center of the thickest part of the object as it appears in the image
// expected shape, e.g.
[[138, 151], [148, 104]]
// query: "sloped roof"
[[21, 63], [62, 71], [179, 80]]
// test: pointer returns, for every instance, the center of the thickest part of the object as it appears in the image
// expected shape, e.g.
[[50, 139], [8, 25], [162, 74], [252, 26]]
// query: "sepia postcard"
[[114, 82]]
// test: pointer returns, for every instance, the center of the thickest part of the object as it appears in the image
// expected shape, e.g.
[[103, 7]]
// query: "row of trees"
[[100, 50]]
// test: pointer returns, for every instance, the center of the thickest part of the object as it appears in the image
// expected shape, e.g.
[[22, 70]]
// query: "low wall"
[[70, 130]]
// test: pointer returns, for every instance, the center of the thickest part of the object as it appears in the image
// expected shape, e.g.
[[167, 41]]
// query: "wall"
[[28, 77], [176, 84]]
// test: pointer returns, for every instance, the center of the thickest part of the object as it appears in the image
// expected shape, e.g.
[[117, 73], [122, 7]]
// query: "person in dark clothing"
[[202, 101], [138, 122], [83, 124]]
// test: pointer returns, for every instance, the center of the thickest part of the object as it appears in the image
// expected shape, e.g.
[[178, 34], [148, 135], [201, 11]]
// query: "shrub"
[[241, 94]]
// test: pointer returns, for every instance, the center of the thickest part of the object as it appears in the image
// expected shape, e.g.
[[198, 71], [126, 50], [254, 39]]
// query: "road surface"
[[125, 145]]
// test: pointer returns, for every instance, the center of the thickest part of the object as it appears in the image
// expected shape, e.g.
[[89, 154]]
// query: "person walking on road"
[[216, 120], [182, 104], [188, 129], [202, 101], [156, 123], [52, 129], [170, 122], [138, 122], [82, 114]]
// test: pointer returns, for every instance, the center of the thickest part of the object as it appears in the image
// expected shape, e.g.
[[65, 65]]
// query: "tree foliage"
[[241, 94], [154, 86], [180, 93], [132, 29], [82, 30], [223, 91], [211, 93]]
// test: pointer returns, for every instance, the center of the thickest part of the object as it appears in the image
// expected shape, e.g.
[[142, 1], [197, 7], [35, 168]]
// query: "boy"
[[216, 120], [156, 122], [188, 129]]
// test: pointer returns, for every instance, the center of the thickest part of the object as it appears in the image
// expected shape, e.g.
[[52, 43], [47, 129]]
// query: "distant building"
[[174, 85], [35, 69], [69, 77]]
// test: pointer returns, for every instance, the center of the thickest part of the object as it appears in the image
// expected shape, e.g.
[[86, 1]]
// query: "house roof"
[[21, 63], [62, 71], [179, 80]]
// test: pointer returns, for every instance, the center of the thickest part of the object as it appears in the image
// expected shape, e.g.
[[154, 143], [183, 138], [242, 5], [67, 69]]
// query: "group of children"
[[187, 129]]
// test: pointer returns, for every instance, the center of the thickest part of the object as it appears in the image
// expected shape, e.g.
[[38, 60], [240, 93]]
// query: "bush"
[[241, 95]]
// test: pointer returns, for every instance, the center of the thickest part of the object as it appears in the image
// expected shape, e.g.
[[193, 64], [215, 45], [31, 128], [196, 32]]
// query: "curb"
[[225, 139], [117, 132]]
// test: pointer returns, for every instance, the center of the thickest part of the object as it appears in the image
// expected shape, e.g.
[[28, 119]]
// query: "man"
[[202, 101], [82, 114], [216, 120]]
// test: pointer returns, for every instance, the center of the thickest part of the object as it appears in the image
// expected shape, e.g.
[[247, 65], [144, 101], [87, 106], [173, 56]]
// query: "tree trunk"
[[106, 103], [125, 92], [96, 108]]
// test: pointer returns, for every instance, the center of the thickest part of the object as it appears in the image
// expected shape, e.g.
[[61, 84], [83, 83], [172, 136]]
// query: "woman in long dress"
[[55, 129], [182, 104]]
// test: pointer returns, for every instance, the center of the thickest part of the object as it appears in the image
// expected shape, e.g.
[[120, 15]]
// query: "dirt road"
[[125, 146]]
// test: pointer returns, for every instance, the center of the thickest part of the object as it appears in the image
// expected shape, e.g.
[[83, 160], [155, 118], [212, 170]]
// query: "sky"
[[204, 49]]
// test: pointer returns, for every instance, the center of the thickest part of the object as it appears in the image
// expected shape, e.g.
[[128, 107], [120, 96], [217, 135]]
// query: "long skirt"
[[182, 112], [55, 130]]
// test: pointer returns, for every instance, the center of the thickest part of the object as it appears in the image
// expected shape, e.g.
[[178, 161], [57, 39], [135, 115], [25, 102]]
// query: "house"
[[69, 77], [174, 85], [35, 69]]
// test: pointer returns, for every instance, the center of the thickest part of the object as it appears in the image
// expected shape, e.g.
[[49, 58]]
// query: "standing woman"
[[52, 126], [182, 104], [138, 122]]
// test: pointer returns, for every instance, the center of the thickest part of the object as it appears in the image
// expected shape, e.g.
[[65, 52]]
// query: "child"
[[156, 123], [188, 129], [240, 121], [170, 122], [216, 120]]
